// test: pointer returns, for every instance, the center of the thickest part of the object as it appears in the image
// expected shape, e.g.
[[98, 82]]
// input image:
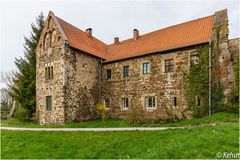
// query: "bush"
[[22, 114], [136, 115], [101, 110]]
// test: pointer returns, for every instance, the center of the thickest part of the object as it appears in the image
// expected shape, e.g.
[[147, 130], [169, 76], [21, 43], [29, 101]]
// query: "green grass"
[[201, 142], [218, 117]]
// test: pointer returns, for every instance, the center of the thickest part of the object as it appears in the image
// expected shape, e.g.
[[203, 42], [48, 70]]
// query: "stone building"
[[75, 70]]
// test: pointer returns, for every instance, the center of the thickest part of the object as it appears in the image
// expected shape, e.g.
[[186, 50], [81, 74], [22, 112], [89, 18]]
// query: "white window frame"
[[148, 70], [125, 106], [146, 100]]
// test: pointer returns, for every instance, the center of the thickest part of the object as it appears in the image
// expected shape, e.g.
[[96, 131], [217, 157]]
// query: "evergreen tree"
[[25, 81]]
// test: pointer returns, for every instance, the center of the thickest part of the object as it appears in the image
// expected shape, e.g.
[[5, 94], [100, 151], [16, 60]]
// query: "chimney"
[[89, 32], [116, 40], [135, 34]]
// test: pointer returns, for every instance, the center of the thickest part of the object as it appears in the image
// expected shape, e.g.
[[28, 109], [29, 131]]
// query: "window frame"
[[146, 68], [48, 68], [48, 98], [126, 71], [104, 101], [125, 103], [108, 76], [169, 65], [146, 101]]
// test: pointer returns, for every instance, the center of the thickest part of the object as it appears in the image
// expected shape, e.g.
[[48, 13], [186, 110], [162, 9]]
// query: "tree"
[[24, 90]]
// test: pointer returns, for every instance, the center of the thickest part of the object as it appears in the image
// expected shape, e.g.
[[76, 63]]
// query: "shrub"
[[136, 115], [101, 110]]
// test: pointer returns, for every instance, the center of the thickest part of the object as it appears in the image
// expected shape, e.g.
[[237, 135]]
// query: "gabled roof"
[[80, 40], [182, 35]]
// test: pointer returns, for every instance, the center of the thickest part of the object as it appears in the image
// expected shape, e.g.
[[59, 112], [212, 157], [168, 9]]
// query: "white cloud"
[[107, 18]]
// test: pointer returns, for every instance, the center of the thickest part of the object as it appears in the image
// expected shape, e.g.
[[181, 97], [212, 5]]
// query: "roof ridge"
[[175, 25]]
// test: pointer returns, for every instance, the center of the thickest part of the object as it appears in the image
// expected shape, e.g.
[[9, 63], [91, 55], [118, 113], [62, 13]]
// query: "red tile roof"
[[185, 34], [80, 40]]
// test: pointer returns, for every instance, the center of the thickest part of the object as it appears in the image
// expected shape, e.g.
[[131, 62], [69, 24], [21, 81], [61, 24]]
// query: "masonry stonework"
[[164, 86], [79, 77]]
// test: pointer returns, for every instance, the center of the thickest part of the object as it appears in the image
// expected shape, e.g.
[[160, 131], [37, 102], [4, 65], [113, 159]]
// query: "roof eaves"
[[149, 53]]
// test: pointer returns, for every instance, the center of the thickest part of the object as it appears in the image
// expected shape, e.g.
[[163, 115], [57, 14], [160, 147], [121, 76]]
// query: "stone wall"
[[54, 53], [164, 86], [81, 85], [222, 63]]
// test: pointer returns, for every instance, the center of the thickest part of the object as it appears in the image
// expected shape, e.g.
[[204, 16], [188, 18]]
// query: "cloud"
[[107, 18]]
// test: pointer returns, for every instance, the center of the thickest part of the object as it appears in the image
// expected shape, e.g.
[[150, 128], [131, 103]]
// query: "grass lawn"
[[200, 142], [218, 117]]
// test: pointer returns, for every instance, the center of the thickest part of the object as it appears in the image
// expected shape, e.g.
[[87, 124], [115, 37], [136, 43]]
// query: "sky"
[[108, 19]]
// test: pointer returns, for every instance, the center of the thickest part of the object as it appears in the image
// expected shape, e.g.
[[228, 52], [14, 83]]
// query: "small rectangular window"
[[146, 68], [194, 59], [107, 102], [125, 71], [169, 66], [49, 71], [125, 103], [197, 100], [174, 101], [150, 102], [48, 103], [108, 74]]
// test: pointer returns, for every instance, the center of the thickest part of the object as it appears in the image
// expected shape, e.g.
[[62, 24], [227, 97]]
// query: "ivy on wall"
[[196, 84], [233, 105]]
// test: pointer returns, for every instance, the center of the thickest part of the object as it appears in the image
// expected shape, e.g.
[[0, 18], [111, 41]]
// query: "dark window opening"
[[175, 101], [197, 100], [125, 71], [169, 66], [48, 103], [108, 74], [48, 71]]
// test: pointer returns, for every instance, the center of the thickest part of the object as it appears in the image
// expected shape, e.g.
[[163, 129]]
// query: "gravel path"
[[91, 129]]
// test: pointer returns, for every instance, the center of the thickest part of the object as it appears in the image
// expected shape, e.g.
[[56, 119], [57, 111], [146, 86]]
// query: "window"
[[194, 59], [125, 71], [169, 65], [150, 102], [197, 100], [108, 74], [48, 103], [53, 37], [174, 101], [46, 40], [146, 68], [125, 103], [49, 70], [107, 102]]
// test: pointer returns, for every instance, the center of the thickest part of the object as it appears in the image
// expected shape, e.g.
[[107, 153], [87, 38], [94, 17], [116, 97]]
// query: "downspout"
[[210, 77], [100, 81]]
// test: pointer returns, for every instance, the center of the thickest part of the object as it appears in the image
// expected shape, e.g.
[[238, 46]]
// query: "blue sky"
[[107, 18]]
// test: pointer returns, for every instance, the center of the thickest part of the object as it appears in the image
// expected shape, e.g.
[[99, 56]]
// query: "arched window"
[[53, 36], [46, 41]]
